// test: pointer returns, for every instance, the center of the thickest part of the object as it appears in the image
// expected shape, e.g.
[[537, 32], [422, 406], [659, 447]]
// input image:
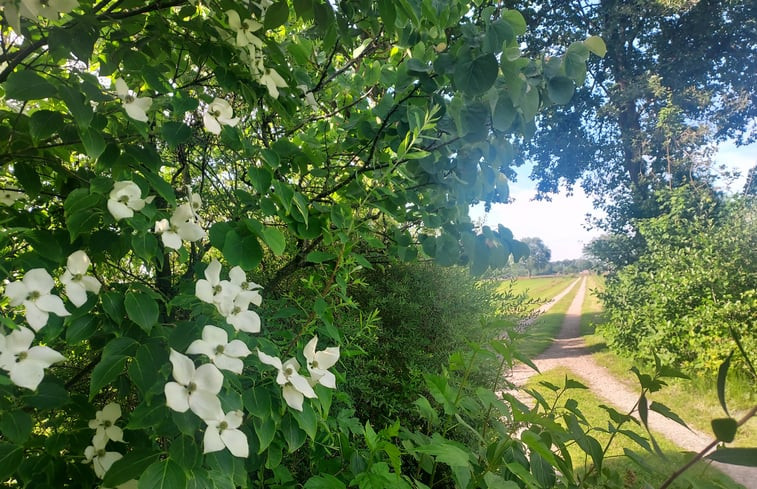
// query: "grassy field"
[[629, 471], [541, 288], [695, 401]]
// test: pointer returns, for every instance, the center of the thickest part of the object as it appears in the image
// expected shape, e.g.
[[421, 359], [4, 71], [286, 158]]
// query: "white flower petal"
[[190, 231], [111, 412], [301, 384], [38, 279], [76, 292], [16, 292], [269, 360], [176, 397], [43, 355], [114, 433], [213, 272], [211, 125], [118, 210], [205, 404], [224, 362], [52, 303], [78, 262], [204, 291], [183, 367], [236, 442], [19, 340], [28, 375], [171, 240], [293, 397], [211, 441], [91, 284], [200, 347], [247, 321], [214, 335], [236, 348], [208, 378], [36, 317]]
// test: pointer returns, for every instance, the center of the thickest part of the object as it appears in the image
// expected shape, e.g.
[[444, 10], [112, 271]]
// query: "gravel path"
[[569, 350]]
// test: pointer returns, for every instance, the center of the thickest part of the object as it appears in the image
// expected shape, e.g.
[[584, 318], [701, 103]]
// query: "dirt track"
[[570, 351]]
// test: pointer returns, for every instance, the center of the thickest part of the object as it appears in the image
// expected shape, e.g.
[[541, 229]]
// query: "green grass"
[[696, 400], [541, 333], [540, 288], [628, 470]]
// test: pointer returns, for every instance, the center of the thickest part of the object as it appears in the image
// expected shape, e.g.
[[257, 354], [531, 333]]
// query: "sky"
[[561, 223]]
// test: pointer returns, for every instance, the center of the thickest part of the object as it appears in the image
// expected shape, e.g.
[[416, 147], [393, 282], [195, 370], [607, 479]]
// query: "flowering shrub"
[[151, 148]]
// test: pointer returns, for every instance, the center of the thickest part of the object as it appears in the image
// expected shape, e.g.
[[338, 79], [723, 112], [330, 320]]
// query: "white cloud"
[[560, 223]]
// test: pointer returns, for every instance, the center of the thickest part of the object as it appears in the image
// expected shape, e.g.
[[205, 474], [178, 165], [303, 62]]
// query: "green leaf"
[[265, 429], [11, 457], [106, 372], [324, 482], [163, 188], [149, 359], [93, 141], [573, 384], [45, 123], [643, 410], [48, 395], [175, 133], [665, 411], [478, 75], [16, 426], [735, 456], [243, 251], [293, 435], [28, 85], [165, 474], [320, 256], [596, 45], [516, 21], [504, 113], [185, 452], [131, 466], [306, 420], [142, 309], [261, 179], [113, 304], [446, 452], [725, 429], [276, 15], [78, 106], [494, 481], [722, 377], [275, 240], [561, 89]]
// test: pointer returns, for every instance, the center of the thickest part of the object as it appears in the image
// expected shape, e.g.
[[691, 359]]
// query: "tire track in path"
[[569, 351]]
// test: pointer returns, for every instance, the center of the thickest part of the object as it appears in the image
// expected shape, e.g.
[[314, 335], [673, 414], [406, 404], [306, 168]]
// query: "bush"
[[692, 286]]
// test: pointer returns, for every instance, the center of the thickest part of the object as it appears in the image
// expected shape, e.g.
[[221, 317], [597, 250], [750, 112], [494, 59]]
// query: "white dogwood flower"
[[9, 196], [319, 361], [224, 432], [25, 364], [244, 30], [105, 424], [33, 291], [76, 280], [195, 389], [294, 386], [135, 107], [273, 81], [101, 459], [238, 314], [250, 290], [181, 227], [219, 113], [215, 291], [124, 199], [215, 344]]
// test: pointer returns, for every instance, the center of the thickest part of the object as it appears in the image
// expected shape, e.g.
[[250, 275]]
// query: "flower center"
[[222, 425], [107, 424], [101, 452], [22, 356], [214, 113], [191, 387], [288, 371], [129, 99], [236, 310], [245, 285], [33, 295], [124, 199], [77, 277], [219, 349], [217, 289], [314, 364]]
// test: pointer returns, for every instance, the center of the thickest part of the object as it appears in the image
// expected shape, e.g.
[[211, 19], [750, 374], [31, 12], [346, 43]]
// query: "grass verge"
[[541, 288], [629, 472], [696, 400]]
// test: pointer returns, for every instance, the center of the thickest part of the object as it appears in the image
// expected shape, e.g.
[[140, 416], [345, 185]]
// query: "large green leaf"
[[106, 372], [735, 456], [131, 466], [141, 308], [16, 426], [477, 75], [165, 474], [560, 89], [28, 85], [10, 459]]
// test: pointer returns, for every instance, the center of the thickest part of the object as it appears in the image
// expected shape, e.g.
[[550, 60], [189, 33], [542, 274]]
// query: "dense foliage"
[[693, 285], [188, 189]]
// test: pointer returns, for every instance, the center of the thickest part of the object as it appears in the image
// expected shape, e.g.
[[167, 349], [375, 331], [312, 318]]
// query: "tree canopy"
[[187, 191]]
